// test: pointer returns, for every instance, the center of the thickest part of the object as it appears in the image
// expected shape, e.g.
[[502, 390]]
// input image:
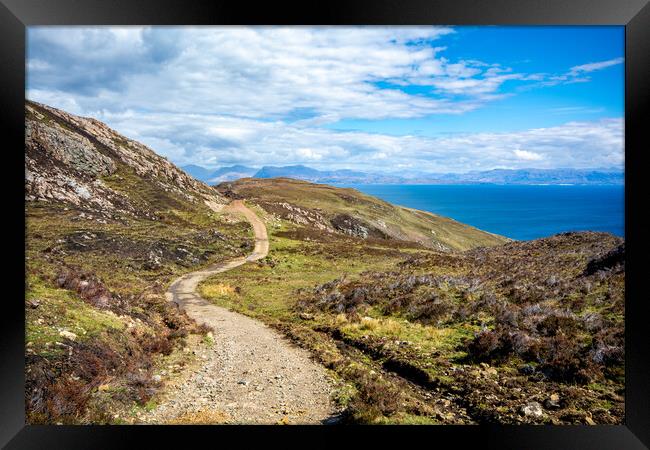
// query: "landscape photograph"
[[336, 225]]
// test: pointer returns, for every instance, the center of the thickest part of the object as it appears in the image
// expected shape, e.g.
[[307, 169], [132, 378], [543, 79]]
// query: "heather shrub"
[[430, 310], [563, 360], [486, 346]]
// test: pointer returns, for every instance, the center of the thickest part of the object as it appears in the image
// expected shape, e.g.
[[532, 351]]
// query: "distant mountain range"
[[532, 176], [326, 176], [496, 176], [229, 173]]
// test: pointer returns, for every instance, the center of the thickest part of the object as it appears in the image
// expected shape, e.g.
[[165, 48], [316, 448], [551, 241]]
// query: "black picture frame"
[[16, 15]]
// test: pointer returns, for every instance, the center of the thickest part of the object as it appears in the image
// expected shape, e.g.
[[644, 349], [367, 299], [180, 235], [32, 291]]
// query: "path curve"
[[251, 374]]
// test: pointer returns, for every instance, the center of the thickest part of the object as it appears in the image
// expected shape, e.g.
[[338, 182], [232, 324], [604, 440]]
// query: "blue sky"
[[440, 99], [532, 50]]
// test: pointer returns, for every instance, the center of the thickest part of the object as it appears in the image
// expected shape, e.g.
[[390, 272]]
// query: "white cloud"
[[575, 109], [231, 133], [528, 156], [241, 71], [576, 74], [590, 67], [309, 154], [182, 138]]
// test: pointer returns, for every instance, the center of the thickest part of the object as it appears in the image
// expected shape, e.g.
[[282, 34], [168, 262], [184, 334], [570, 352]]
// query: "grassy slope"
[[404, 223], [396, 327]]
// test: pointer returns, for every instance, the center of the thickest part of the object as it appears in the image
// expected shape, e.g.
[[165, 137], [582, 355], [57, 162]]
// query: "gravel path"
[[251, 374]]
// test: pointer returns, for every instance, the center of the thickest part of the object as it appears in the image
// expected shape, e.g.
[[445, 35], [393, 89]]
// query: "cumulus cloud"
[[308, 154], [243, 71], [331, 72], [92, 60], [574, 144], [527, 156]]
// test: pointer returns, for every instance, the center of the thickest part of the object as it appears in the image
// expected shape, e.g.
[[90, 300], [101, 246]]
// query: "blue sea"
[[518, 212]]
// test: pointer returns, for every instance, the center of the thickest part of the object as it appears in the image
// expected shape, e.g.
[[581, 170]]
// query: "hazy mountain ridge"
[[540, 176], [226, 173], [596, 176]]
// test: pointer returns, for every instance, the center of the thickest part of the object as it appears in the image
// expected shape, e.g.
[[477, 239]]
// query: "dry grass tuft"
[[340, 319], [217, 290], [209, 417], [368, 323]]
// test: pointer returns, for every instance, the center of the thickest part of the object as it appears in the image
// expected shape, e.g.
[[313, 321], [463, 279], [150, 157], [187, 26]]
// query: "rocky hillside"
[[348, 211], [82, 162], [109, 224]]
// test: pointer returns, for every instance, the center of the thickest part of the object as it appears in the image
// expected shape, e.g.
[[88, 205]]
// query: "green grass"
[[58, 310], [143, 192], [266, 291], [425, 339]]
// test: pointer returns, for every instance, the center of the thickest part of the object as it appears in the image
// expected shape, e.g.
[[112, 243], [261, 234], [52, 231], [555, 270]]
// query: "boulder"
[[533, 410]]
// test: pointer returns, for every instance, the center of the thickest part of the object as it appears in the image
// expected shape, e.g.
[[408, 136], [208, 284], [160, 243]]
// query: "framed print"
[[422, 215]]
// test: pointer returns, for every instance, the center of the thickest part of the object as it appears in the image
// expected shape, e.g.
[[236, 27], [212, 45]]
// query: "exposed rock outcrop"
[[612, 260], [347, 224], [70, 159]]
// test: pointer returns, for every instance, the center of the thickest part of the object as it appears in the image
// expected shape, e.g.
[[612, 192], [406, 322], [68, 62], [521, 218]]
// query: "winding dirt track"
[[251, 374]]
